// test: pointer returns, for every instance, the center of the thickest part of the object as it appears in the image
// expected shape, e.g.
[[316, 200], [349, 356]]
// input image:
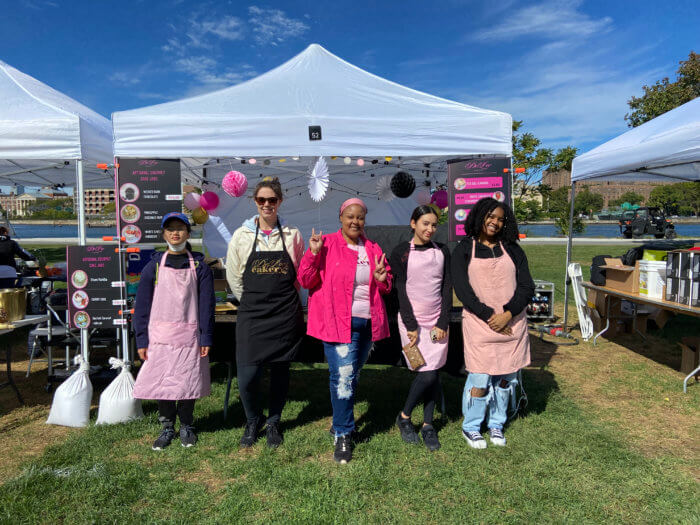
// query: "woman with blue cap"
[[174, 325]]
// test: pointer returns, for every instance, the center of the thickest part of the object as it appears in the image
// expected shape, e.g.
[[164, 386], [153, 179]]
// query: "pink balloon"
[[439, 198], [192, 200], [209, 201], [235, 183]]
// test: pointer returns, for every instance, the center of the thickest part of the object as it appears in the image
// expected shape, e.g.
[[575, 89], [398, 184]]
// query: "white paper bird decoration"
[[384, 188], [318, 180]]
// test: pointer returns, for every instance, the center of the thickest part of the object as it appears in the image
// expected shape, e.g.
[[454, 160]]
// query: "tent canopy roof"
[[38, 122], [666, 148], [359, 114]]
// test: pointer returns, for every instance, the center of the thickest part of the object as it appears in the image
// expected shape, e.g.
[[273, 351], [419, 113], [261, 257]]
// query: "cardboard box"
[[621, 277], [661, 317], [690, 356], [596, 300], [641, 322], [220, 285]]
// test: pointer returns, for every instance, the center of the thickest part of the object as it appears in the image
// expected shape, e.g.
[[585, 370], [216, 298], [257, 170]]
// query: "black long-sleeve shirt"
[[399, 263], [9, 249], [461, 256]]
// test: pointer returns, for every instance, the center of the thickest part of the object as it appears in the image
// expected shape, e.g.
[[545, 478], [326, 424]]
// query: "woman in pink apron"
[[421, 270], [174, 325], [491, 277]]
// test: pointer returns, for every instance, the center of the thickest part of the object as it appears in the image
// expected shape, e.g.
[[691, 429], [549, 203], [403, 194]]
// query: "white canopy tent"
[[360, 114], [48, 138], [665, 149]]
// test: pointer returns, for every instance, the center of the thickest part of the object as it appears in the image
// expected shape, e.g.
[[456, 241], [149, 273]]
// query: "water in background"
[[27, 231]]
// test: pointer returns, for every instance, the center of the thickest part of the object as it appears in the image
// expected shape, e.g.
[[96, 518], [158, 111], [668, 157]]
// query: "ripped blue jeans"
[[497, 399], [345, 360]]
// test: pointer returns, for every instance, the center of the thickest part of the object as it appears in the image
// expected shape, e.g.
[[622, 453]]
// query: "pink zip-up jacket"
[[330, 277]]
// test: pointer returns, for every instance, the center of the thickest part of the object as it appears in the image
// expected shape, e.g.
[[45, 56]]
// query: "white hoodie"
[[241, 245]]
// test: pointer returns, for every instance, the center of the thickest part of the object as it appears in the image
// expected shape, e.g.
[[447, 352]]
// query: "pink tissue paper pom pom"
[[235, 183]]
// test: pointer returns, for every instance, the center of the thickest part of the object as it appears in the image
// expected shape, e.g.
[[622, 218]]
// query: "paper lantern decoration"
[[252, 161], [295, 158], [235, 183], [403, 184], [200, 216], [209, 201], [360, 162], [384, 189], [388, 159], [347, 160], [266, 162], [318, 180], [439, 198], [192, 200], [422, 197]]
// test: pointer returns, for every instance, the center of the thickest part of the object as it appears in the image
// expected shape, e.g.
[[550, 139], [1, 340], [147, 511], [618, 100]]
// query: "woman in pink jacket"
[[346, 275]]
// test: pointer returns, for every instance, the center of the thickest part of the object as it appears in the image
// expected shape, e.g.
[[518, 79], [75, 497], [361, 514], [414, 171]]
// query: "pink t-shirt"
[[360, 290]]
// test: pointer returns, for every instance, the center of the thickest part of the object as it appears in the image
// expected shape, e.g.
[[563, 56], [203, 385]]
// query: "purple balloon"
[[209, 201], [439, 198], [192, 200]]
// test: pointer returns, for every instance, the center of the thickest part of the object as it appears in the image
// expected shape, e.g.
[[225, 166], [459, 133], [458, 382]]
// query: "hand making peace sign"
[[380, 269], [315, 241]]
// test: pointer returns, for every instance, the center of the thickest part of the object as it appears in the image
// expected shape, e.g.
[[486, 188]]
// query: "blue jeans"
[[345, 360], [496, 400]]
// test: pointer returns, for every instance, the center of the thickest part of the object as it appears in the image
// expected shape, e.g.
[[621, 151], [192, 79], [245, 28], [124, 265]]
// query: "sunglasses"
[[262, 200]]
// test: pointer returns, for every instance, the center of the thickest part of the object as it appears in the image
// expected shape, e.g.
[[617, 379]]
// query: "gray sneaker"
[[475, 439], [187, 436], [496, 437], [165, 438]]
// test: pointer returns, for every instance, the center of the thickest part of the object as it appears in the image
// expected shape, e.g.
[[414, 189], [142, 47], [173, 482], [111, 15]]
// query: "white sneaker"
[[475, 439], [496, 437]]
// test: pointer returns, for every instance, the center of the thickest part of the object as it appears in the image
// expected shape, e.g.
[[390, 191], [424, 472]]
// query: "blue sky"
[[565, 67]]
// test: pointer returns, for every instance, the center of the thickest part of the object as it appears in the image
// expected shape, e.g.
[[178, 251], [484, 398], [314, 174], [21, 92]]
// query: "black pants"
[[248, 386], [426, 386], [168, 410]]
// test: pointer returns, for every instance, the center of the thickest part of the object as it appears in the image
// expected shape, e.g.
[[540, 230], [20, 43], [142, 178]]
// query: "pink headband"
[[352, 201]]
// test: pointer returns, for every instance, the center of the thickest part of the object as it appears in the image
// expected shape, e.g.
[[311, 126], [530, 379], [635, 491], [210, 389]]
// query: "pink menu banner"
[[470, 198], [459, 230], [483, 182]]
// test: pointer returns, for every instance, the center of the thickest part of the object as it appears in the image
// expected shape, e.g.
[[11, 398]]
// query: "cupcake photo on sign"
[[79, 279], [130, 213], [499, 196], [81, 320], [80, 299], [131, 233], [129, 192], [460, 184], [461, 215]]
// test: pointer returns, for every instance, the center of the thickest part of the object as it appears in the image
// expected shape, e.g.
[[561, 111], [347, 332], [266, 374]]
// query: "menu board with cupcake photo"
[[470, 180], [94, 286], [147, 189]]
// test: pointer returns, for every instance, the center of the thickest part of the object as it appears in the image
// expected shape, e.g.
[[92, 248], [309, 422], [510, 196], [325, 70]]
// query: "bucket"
[[20, 304], [652, 277], [8, 304]]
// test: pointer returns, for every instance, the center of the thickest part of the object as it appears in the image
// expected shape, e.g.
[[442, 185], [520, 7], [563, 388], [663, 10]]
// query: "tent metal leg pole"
[[82, 240], [568, 257]]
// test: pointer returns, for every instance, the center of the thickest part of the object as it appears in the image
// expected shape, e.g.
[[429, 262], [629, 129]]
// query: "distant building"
[[17, 205], [95, 200], [609, 190]]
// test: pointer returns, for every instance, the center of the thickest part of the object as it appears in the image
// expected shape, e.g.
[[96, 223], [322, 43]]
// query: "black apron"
[[270, 324]]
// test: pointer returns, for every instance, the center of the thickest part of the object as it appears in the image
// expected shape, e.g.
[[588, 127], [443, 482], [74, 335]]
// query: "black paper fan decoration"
[[403, 184]]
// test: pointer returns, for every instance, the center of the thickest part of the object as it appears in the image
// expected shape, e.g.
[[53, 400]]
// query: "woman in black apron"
[[270, 324]]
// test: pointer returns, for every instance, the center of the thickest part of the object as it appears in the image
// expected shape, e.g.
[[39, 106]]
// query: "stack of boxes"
[[683, 277]]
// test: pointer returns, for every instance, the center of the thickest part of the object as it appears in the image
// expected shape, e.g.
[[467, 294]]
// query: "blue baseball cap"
[[175, 215]]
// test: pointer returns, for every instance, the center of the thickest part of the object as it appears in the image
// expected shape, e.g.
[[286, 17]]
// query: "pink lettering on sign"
[[470, 198], [483, 182], [477, 165], [459, 229]]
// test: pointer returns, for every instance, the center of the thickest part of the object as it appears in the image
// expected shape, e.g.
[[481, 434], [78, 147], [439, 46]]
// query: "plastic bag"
[[71, 402], [117, 403]]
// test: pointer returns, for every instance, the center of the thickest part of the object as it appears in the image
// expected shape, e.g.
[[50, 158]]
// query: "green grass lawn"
[[565, 461]]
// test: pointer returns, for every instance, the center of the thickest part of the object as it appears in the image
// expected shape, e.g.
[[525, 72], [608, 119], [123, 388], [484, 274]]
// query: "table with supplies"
[[9, 327]]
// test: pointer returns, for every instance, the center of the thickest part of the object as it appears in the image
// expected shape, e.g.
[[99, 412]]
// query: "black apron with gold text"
[[270, 324]]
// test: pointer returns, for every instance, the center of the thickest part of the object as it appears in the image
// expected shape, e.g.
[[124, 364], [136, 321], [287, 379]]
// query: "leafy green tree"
[[528, 154], [563, 159], [559, 209], [666, 95], [680, 198], [527, 210], [110, 207], [587, 202], [629, 196]]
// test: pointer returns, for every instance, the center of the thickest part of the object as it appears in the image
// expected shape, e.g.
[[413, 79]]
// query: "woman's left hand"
[[380, 269], [498, 322], [440, 334], [204, 351]]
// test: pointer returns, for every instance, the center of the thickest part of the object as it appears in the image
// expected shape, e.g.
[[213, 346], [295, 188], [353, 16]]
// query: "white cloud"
[[550, 19], [226, 28], [124, 79], [208, 76], [273, 26]]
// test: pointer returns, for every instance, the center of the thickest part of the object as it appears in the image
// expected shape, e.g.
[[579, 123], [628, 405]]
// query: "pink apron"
[[485, 351], [174, 369], [424, 273]]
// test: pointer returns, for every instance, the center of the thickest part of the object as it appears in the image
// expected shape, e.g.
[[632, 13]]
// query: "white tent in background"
[[360, 114], [664, 149]]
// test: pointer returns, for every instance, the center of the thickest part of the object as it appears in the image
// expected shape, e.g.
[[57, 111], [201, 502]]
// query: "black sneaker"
[[187, 436], [430, 438], [274, 436], [343, 449], [165, 438], [250, 434], [408, 433]]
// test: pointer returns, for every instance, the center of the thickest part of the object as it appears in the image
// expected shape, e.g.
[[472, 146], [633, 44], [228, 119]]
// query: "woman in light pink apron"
[[492, 279], [174, 325], [421, 270]]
